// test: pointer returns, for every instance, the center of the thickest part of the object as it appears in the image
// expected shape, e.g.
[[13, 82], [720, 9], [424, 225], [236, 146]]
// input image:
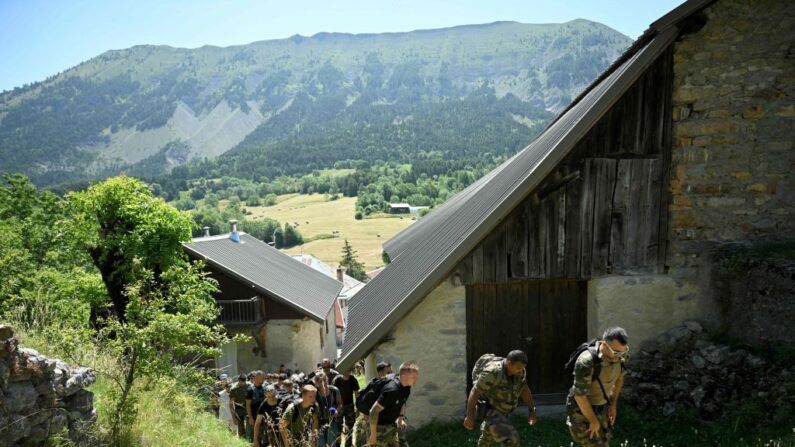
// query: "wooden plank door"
[[546, 319]]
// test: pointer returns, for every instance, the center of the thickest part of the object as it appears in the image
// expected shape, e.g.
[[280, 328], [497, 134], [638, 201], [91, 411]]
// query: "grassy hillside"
[[315, 216]]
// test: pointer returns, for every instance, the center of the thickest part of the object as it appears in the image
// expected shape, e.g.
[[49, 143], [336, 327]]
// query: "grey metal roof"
[[271, 271], [423, 254]]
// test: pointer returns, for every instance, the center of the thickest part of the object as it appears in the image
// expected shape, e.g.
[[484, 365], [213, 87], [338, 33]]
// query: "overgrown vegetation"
[[100, 278]]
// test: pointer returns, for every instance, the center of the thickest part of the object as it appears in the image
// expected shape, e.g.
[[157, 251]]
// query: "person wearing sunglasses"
[[598, 377]]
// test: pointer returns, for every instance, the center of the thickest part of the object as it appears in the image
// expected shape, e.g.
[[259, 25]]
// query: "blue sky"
[[39, 38]]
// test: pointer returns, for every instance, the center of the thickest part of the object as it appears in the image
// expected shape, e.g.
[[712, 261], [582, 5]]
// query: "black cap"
[[382, 366]]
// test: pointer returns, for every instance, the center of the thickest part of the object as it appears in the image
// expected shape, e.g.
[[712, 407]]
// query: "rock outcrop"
[[682, 369], [40, 397]]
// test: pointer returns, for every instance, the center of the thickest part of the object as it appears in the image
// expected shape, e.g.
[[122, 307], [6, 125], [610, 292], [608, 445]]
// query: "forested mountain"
[[289, 106]]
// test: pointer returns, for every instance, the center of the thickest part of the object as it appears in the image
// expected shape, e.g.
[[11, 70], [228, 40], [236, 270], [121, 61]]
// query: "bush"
[[358, 215], [269, 200]]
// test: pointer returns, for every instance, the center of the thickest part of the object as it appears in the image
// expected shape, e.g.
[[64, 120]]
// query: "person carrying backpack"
[[388, 396], [365, 399], [329, 401], [299, 423], [598, 369], [498, 383]]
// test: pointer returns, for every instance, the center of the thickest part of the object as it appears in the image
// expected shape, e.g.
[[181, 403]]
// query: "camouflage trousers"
[[360, 431], [578, 427], [497, 428], [402, 441], [387, 435]]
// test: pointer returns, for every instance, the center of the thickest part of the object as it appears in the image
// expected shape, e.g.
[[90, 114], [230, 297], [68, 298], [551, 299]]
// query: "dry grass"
[[315, 215]]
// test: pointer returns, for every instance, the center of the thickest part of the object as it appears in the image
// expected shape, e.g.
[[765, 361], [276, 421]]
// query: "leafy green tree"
[[269, 200], [43, 276], [261, 229], [161, 302], [291, 236], [163, 327], [351, 264], [128, 232]]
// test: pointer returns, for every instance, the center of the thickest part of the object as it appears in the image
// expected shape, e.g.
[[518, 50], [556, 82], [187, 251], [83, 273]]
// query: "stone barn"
[[285, 306], [607, 218]]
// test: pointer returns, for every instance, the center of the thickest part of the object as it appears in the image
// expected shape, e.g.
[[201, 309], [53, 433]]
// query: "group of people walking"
[[326, 407], [290, 408]]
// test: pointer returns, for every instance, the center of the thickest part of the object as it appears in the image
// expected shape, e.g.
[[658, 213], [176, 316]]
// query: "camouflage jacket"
[[584, 385], [498, 388]]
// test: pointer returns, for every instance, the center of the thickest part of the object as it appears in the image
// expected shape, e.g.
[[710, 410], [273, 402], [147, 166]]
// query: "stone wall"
[[434, 335], [683, 370], [734, 125], [733, 153], [644, 305], [40, 397], [757, 300], [295, 343]]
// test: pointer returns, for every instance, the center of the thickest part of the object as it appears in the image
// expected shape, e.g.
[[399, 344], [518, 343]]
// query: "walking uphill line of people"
[[598, 367], [316, 413], [289, 408]]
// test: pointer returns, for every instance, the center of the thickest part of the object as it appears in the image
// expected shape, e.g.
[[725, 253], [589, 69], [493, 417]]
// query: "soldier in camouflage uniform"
[[591, 404], [501, 383]]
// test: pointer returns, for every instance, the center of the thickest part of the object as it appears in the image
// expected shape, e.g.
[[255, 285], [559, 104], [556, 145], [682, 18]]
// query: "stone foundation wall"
[[40, 397], [434, 335], [644, 305]]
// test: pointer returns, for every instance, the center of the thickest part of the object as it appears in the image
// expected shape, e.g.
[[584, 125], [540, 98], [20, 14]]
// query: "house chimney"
[[206, 231], [340, 276], [234, 235]]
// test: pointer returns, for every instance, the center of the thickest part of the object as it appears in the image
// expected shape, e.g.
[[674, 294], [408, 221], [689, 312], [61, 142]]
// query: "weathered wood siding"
[[603, 210]]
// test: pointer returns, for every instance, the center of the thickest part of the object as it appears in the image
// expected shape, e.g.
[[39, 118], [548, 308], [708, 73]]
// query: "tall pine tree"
[[352, 266]]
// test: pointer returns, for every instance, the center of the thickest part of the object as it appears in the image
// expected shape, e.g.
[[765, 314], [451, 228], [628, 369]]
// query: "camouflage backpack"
[[477, 370], [481, 363]]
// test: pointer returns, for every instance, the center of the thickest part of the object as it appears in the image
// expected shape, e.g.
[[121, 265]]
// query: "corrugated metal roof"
[[424, 253], [273, 272], [350, 286]]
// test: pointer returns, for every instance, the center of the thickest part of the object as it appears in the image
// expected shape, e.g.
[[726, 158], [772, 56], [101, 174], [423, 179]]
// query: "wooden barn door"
[[546, 319]]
